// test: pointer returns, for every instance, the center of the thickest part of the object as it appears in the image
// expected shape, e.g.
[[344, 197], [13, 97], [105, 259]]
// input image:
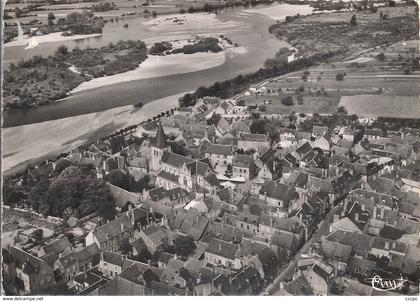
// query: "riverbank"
[[51, 38], [191, 24], [65, 134], [156, 66]]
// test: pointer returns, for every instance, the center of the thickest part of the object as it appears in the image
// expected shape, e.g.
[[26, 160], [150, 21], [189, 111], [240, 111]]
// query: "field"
[[380, 82], [333, 31], [371, 106]]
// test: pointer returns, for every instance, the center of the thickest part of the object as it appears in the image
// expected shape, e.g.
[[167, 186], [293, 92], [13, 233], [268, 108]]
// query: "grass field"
[[371, 106]]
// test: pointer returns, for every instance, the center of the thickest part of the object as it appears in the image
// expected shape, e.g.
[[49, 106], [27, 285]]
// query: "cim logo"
[[386, 284]]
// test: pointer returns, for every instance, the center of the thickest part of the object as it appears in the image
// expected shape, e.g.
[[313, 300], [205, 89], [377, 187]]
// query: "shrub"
[[287, 100], [339, 77]]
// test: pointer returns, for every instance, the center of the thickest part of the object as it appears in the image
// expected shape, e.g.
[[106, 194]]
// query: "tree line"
[[231, 87]]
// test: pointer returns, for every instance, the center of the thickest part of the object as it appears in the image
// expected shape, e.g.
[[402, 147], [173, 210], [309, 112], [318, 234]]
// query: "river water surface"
[[248, 28]]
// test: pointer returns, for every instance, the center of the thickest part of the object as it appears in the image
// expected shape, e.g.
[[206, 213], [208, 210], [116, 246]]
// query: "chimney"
[[356, 217], [122, 227], [375, 213], [363, 207], [219, 247], [382, 213], [387, 245], [336, 218], [394, 244]]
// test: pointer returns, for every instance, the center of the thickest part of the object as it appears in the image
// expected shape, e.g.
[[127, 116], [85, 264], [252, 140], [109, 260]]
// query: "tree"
[[258, 126], [300, 99], [51, 18], [262, 108], [61, 164], [339, 77], [38, 193], [341, 111], [184, 245], [38, 235], [287, 100], [120, 179], [61, 52], [381, 56], [353, 21]]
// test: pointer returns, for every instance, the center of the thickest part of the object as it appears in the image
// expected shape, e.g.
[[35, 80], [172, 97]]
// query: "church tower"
[[159, 146]]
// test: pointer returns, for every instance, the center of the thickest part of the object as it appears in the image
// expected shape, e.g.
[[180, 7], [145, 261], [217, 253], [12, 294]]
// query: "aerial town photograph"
[[210, 148]]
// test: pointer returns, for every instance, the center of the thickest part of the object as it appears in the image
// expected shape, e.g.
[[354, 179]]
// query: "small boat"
[[32, 44]]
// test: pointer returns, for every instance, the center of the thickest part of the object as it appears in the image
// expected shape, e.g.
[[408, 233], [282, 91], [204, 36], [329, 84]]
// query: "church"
[[173, 170]]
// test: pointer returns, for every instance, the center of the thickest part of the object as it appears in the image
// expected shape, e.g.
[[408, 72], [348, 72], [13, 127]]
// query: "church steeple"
[[160, 141]]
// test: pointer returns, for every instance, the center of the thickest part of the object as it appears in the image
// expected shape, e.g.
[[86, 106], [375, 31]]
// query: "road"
[[323, 229]]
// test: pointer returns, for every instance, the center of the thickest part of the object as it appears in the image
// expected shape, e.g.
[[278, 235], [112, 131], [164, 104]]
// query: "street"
[[323, 229]]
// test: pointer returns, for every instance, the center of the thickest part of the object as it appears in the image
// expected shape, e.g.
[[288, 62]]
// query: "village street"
[[323, 229]]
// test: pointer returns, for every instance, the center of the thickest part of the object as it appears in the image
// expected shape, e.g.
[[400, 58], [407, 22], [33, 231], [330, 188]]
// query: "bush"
[[160, 48], [339, 77], [287, 100]]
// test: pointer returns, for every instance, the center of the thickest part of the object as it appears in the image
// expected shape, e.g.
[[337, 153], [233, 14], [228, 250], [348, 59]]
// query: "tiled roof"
[[254, 137], [194, 224], [168, 176], [332, 249], [242, 161], [304, 149], [113, 228], [279, 191], [175, 159], [222, 248], [57, 246], [286, 240], [299, 287], [220, 149], [113, 258]]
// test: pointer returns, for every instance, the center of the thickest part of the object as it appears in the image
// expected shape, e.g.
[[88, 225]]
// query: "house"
[[222, 253], [111, 235], [27, 273], [176, 197], [222, 126], [278, 195], [220, 156], [153, 237], [256, 142], [372, 134], [111, 264], [55, 248], [77, 261], [245, 282], [351, 217], [320, 277], [138, 167], [240, 127], [269, 165], [243, 167], [88, 281], [194, 224]]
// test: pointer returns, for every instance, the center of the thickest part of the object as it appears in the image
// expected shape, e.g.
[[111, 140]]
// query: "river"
[[248, 28]]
